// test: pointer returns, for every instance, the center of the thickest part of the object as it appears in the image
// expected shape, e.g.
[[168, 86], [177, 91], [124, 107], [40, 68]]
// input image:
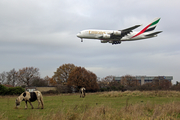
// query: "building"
[[147, 79], [9, 86], [41, 89]]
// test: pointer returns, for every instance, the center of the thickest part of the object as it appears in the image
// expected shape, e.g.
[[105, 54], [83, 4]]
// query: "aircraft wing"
[[128, 30], [124, 32]]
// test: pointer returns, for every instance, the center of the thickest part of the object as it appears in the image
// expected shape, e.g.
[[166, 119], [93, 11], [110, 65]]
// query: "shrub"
[[11, 91], [15, 91], [3, 90], [63, 89], [51, 92]]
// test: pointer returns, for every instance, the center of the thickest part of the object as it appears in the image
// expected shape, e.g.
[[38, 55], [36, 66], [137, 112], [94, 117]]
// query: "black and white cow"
[[82, 92], [30, 97]]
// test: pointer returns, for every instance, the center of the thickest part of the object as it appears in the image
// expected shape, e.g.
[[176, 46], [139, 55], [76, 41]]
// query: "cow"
[[30, 97], [82, 92]]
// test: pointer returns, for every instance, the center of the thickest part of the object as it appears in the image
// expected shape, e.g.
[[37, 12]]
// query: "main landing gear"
[[116, 42]]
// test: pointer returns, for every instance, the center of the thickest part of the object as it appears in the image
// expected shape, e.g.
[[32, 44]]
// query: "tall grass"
[[143, 93], [136, 105], [148, 111]]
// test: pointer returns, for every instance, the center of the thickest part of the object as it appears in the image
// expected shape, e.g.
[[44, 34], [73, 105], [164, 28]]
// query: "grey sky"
[[42, 34]]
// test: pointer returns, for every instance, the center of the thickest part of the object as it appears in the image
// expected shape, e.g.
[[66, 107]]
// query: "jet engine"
[[116, 33], [106, 36], [104, 41]]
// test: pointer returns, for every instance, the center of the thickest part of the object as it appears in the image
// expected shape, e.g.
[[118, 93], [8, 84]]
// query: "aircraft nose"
[[79, 35]]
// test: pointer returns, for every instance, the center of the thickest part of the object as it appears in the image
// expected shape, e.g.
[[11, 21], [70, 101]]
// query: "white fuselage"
[[97, 34], [116, 36]]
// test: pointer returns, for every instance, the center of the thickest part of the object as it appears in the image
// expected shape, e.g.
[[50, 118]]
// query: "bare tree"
[[129, 81], [12, 78], [105, 82], [161, 82], [39, 82], [27, 75], [3, 77]]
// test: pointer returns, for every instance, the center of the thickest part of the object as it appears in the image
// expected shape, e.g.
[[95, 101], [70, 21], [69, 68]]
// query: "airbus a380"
[[116, 36]]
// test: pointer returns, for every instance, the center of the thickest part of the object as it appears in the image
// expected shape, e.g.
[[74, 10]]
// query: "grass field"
[[101, 106]]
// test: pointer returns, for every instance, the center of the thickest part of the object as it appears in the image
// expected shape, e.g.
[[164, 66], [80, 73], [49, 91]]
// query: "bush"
[[11, 91], [3, 90], [63, 89], [102, 89], [51, 92], [15, 91]]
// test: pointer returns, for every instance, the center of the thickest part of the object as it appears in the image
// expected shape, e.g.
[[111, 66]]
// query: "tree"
[[27, 75], [39, 82], [62, 73], [3, 77], [12, 77], [105, 82], [93, 86], [80, 77], [161, 83], [109, 83], [176, 86], [129, 81], [51, 81], [108, 79]]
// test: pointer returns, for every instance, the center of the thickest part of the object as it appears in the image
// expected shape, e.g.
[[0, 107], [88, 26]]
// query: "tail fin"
[[149, 27], [152, 25]]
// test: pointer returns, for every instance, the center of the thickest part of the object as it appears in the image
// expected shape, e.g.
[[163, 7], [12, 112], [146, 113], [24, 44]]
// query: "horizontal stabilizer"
[[154, 33], [149, 27]]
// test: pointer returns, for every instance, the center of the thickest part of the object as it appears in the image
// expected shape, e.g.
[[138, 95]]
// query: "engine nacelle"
[[116, 32], [104, 41], [106, 36]]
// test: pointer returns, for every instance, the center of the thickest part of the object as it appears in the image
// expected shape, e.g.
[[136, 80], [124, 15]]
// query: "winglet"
[[149, 27]]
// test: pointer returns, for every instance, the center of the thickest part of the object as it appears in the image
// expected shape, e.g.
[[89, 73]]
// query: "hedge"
[[11, 91]]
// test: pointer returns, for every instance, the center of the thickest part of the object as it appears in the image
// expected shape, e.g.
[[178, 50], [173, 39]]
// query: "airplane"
[[116, 36]]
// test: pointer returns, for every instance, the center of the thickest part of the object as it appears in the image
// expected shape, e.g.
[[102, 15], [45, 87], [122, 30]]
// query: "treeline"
[[129, 82], [27, 76], [66, 75], [68, 78]]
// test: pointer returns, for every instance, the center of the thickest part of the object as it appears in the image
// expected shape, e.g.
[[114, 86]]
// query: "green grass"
[[93, 106]]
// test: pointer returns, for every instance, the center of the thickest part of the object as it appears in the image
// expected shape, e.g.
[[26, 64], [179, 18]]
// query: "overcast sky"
[[42, 34]]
